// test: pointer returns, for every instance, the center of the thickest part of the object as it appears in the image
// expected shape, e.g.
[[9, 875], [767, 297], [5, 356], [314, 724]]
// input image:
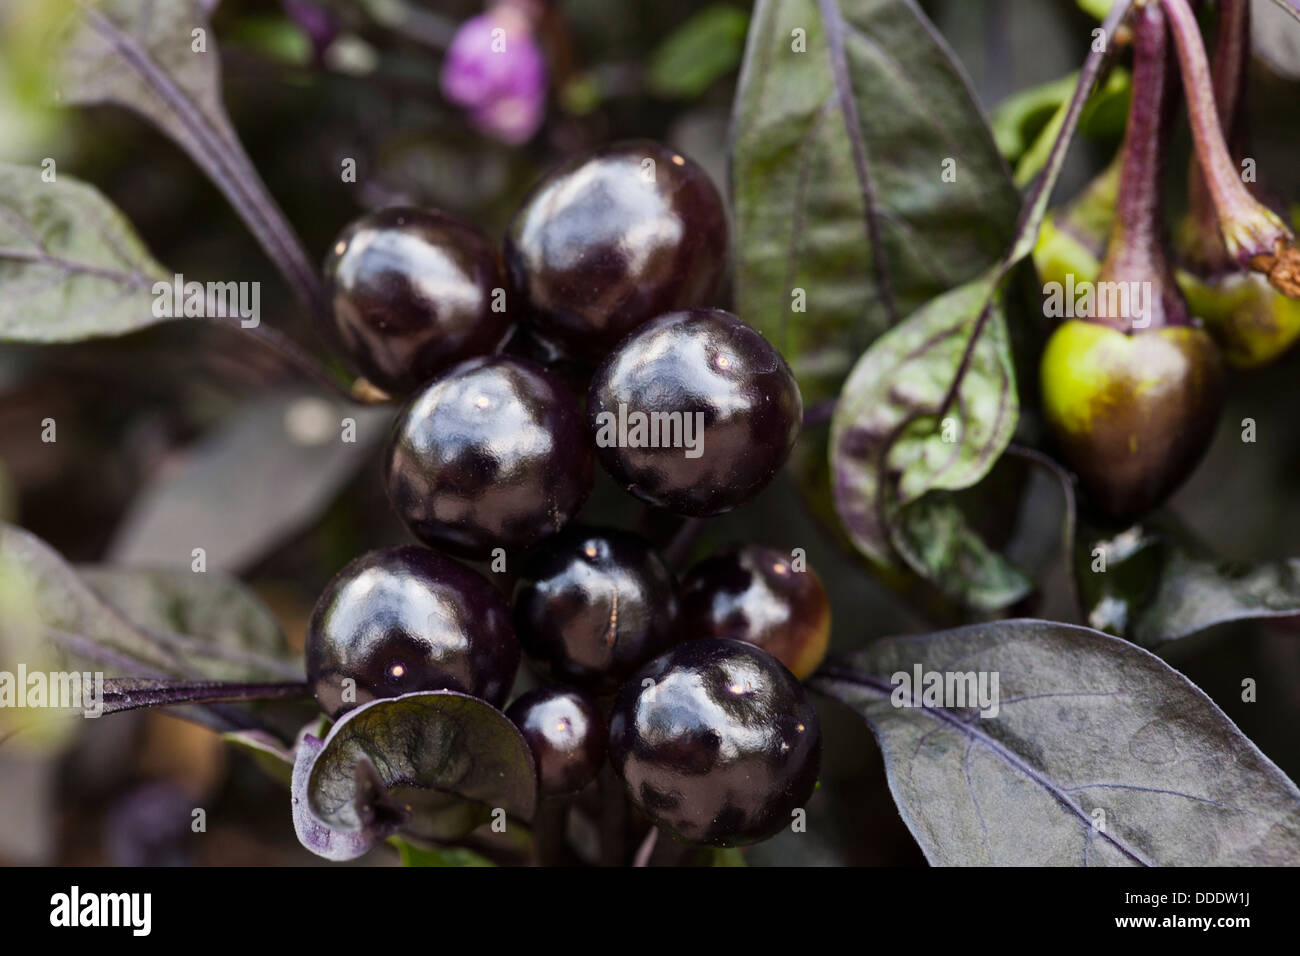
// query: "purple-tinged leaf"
[[1098, 754], [931, 407], [848, 115], [1274, 38], [71, 266], [1289, 6], [51, 618], [147, 57], [432, 765], [211, 621], [322, 840], [218, 496]]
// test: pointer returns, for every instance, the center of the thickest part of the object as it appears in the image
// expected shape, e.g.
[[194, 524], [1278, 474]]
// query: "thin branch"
[[647, 848]]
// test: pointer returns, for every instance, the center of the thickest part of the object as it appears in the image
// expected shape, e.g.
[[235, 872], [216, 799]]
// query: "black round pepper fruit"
[[407, 619], [566, 734], [756, 595], [592, 605], [610, 240], [694, 412], [491, 454], [412, 292], [717, 742]]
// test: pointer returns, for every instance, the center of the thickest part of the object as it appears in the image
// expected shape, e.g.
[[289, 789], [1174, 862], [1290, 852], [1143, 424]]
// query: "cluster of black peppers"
[[692, 690]]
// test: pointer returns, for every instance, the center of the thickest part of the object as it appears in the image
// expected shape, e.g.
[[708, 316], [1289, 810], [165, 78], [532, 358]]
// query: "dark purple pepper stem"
[[1254, 235], [1202, 242], [1136, 250]]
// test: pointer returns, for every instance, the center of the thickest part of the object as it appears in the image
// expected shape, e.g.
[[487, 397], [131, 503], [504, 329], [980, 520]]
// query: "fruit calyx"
[[1254, 236]]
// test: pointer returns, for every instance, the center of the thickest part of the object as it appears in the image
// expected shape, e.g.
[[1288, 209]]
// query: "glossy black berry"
[[566, 734], [407, 619], [613, 239], [591, 606], [760, 596], [412, 291], [491, 454], [694, 412], [717, 742]]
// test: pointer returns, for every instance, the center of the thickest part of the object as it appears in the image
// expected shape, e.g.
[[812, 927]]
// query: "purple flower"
[[495, 71]]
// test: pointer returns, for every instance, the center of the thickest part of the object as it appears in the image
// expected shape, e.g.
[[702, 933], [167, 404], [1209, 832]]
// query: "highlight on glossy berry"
[[610, 240], [408, 619], [566, 733], [594, 604], [491, 455], [763, 597], [412, 292], [695, 412], [716, 742]]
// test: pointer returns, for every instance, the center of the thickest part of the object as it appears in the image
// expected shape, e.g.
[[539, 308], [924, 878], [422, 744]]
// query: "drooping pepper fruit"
[[1252, 321], [1254, 236], [1131, 388]]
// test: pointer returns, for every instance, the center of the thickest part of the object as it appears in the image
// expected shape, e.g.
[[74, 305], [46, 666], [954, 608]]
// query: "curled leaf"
[[322, 840], [432, 765], [899, 433]]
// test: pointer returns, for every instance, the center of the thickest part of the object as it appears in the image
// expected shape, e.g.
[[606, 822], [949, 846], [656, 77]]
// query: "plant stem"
[[1136, 250], [1201, 241], [1254, 235], [300, 360], [122, 694], [679, 548], [647, 848]]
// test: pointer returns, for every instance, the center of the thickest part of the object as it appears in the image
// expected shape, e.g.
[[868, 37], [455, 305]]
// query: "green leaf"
[[1042, 113], [897, 435], [705, 48], [1021, 118], [438, 856], [53, 617], [431, 765], [838, 161], [264, 475], [932, 405], [219, 627], [1097, 9], [1157, 586], [934, 538], [1099, 753], [71, 266]]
